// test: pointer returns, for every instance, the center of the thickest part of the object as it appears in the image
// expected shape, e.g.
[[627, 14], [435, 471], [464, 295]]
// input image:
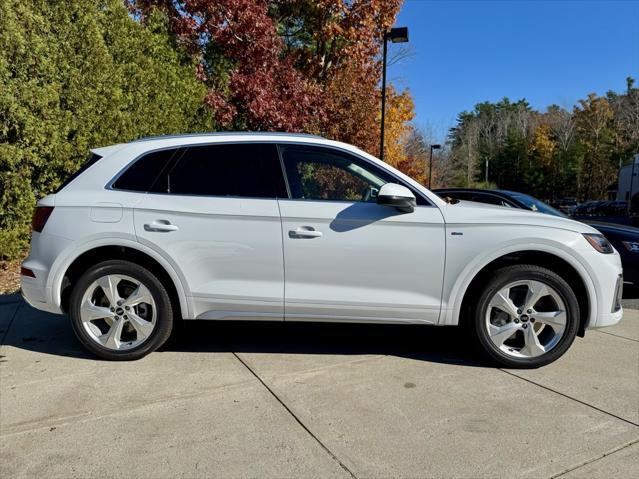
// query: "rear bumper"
[[45, 249]]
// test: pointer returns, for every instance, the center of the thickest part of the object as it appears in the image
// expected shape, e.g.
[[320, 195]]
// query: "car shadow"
[[45, 333], [359, 215]]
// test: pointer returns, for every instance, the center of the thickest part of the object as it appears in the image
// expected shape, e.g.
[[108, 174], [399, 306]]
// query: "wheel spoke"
[[112, 338], [536, 291], [143, 327], [91, 312], [109, 285], [502, 301], [532, 345], [140, 295], [499, 334], [555, 319]]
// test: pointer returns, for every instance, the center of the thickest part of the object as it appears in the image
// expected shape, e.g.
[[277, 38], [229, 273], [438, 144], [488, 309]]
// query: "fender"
[[450, 315], [68, 256]]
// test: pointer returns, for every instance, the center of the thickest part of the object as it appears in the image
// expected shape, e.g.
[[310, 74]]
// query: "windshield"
[[537, 205]]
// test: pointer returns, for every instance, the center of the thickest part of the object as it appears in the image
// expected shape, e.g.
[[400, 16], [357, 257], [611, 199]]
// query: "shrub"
[[76, 75]]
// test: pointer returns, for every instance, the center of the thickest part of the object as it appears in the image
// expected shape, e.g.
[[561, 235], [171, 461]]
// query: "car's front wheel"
[[120, 311], [526, 316]]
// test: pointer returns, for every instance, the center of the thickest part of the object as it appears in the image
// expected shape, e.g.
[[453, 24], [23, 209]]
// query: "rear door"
[[346, 257], [212, 211]]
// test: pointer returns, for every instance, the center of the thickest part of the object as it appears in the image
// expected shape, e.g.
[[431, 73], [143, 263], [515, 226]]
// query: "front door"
[[347, 258]]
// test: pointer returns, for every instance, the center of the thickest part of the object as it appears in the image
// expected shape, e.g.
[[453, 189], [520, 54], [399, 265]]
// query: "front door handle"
[[305, 232], [161, 226]]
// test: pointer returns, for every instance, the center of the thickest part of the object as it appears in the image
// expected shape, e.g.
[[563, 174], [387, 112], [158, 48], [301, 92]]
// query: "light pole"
[[396, 35], [430, 164]]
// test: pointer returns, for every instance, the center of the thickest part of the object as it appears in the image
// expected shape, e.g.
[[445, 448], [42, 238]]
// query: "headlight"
[[599, 242], [632, 246]]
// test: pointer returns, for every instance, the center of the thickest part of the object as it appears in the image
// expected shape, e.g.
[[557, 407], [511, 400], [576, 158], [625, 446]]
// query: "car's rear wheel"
[[526, 316], [120, 311]]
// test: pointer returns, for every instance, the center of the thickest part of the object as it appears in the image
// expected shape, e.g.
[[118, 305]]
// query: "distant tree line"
[[553, 154]]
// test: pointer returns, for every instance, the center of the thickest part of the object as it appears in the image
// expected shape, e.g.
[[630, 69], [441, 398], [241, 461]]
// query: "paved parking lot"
[[296, 400]]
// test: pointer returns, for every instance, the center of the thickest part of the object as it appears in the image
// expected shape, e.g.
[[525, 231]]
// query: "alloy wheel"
[[118, 312], [526, 319]]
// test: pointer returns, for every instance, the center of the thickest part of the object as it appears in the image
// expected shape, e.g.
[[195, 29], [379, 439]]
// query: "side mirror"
[[398, 196]]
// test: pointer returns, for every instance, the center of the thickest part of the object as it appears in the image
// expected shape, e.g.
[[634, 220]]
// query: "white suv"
[[285, 227]]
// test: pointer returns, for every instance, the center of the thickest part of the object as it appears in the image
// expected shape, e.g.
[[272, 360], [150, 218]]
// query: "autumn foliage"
[[288, 65]]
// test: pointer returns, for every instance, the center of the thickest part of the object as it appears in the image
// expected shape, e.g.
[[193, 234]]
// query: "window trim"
[[278, 144]]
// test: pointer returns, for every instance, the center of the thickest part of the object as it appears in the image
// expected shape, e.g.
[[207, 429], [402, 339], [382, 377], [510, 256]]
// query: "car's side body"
[[624, 238], [290, 258]]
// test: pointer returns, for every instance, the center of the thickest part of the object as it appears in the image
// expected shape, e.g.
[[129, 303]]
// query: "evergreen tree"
[[76, 75]]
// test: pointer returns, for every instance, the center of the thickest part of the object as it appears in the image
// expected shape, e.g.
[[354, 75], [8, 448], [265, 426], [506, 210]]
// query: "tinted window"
[[90, 162], [489, 199], [457, 195], [249, 170], [325, 174], [149, 172]]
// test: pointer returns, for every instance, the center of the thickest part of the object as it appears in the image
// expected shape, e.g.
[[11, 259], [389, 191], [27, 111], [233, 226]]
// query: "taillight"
[[40, 216]]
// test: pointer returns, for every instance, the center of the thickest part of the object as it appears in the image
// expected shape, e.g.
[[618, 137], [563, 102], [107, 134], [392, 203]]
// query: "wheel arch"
[[92, 254], [565, 265]]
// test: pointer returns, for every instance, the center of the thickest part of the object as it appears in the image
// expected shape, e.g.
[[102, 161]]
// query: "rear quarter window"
[[148, 174]]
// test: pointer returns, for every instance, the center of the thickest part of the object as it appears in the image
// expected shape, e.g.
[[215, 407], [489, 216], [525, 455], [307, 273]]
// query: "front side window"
[[324, 174]]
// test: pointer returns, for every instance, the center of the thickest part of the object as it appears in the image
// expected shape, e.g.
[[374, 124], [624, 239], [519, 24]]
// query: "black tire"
[[500, 279], [164, 314]]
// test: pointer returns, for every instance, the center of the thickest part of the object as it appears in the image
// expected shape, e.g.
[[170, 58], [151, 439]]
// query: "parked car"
[[624, 238], [605, 211], [566, 205], [299, 228]]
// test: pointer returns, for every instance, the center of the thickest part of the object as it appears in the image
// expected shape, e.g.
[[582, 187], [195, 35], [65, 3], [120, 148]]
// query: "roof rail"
[[226, 133]]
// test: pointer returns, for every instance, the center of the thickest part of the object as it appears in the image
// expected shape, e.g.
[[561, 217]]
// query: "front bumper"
[[607, 276]]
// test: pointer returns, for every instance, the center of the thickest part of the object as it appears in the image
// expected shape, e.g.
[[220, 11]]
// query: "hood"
[[469, 212]]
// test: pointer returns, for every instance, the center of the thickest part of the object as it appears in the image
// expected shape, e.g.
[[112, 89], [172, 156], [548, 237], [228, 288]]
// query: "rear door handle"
[[161, 226], [305, 232]]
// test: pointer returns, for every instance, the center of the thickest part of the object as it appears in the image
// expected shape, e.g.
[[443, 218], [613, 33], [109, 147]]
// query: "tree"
[[76, 75], [295, 65], [593, 118], [400, 111]]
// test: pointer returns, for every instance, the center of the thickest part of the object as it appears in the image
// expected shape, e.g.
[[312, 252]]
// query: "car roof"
[[193, 139], [227, 133]]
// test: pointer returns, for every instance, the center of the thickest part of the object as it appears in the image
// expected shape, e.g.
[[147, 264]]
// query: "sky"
[[548, 52]]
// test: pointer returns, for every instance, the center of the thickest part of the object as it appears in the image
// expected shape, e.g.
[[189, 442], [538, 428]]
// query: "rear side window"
[[247, 170], [87, 164]]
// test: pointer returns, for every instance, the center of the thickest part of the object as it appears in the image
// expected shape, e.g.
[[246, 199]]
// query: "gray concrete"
[[296, 400]]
